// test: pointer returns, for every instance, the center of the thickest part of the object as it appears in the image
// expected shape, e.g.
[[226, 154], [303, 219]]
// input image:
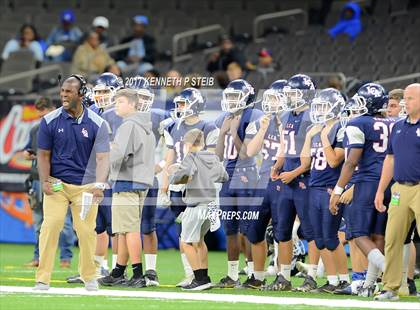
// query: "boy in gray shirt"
[[199, 171], [132, 171]]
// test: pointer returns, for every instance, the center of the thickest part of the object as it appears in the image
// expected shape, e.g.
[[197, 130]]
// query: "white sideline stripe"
[[336, 303]]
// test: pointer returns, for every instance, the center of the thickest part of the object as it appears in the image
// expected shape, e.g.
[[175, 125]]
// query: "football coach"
[[402, 164], [73, 157]]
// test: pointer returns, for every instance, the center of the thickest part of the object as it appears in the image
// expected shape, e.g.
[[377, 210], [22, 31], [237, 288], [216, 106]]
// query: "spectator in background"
[[142, 51], [90, 58], [393, 108], [100, 25], [349, 23], [64, 38], [336, 82], [228, 53], [173, 88], [44, 106], [265, 66], [234, 71], [27, 39]]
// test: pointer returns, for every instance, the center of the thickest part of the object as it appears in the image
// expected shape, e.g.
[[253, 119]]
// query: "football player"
[[294, 196], [188, 106], [367, 137], [323, 153], [263, 136], [238, 113]]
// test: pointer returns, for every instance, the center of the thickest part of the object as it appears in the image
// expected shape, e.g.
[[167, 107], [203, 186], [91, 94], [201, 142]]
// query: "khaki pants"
[[55, 210], [400, 219]]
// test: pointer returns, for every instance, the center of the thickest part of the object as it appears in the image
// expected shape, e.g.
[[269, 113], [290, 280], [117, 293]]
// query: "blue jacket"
[[352, 27]]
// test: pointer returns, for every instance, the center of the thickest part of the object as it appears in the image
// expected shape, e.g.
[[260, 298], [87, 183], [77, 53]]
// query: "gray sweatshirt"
[[132, 154], [199, 171]]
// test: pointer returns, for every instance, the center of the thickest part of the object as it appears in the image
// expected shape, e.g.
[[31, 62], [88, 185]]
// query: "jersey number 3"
[[381, 146]]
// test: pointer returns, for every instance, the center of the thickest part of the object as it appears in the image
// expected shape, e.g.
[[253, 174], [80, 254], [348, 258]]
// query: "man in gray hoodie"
[[199, 171], [132, 171]]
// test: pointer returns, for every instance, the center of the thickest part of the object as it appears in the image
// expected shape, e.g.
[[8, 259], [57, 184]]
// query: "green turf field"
[[12, 273]]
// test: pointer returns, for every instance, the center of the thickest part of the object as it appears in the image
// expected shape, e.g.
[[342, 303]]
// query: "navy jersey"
[[322, 175], [370, 134], [159, 118], [271, 145], [174, 136], [96, 109], [114, 121], [295, 127], [354, 177], [230, 154]]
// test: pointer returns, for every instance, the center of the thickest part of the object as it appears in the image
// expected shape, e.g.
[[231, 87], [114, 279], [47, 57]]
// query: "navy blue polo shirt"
[[404, 144], [73, 144]]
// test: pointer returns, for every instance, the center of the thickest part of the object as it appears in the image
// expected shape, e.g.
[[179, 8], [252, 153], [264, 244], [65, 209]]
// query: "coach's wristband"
[[338, 190]]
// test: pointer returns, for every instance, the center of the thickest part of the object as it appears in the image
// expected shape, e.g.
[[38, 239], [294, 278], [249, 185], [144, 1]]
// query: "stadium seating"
[[370, 56]]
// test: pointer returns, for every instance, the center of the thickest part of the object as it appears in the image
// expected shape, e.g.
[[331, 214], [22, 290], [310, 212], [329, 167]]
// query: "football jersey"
[[271, 145], [174, 136], [294, 131], [96, 109], [370, 134], [158, 117], [322, 174], [354, 177], [230, 154]]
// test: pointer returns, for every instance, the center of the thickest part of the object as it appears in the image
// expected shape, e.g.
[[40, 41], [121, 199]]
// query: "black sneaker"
[[228, 282], [151, 278], [111, 281], [198, 285], [253, 283], [308, 285], [412, 287], [326, 288], [136, 282], [74, 279], [343, 288], [279, 284]]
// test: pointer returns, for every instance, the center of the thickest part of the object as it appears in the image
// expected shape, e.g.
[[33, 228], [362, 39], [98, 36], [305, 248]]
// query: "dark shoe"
[[412, 287], [111, 281], [343, 288], [367, 291], [326, 288], [198, 285], [76, 279], [227, 282], [279, 284], [136, 282], [151, 278], [253, 283], [308, 285]]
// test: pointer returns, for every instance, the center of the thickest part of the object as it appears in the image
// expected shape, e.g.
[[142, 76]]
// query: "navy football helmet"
[[354, 107], [273, 98], [188, 103], [105, 88], [375, 95], [326, 105], [144, 93], [238, 95], [299, 91], [88, 99]]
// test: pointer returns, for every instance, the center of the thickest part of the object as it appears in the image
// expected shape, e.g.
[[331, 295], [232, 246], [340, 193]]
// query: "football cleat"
[[111, 281], [308, 285], [186, 281], [151, 278], [279, 284], [253, 283], [196, 285], [368, 291], [386, 295], [326, 288], [135, 282], [228, 282]]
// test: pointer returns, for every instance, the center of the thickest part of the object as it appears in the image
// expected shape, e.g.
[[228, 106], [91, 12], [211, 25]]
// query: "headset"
[[82, 89]]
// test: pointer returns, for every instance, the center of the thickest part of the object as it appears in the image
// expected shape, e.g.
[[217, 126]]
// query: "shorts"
[[195, 223], [148, 223], [126, 211]]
